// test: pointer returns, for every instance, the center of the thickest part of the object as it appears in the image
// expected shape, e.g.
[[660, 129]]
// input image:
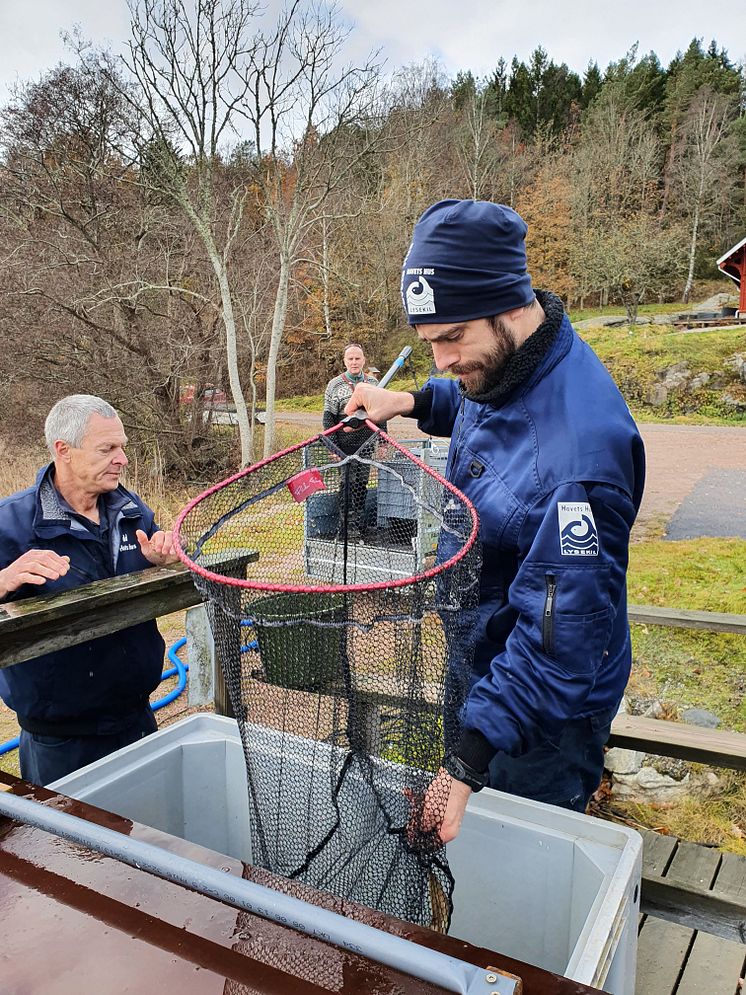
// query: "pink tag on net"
[[306, 483]]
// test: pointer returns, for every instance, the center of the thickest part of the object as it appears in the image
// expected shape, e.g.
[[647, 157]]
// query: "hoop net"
[[346, 645]]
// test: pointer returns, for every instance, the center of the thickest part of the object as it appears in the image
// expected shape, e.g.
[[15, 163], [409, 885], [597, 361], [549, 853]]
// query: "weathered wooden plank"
[[731, 877], [676, 739], [34, 626], [694, 907], [88, 622], [713, 967], [21, 616], [662, 949], [682, 618], [657, 851], [694, 866]]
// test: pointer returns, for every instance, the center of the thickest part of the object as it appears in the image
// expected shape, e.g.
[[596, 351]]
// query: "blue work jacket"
[[556, 472], [101, 683]]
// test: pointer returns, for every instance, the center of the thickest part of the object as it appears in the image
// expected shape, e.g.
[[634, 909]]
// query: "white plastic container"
[[538, 883]]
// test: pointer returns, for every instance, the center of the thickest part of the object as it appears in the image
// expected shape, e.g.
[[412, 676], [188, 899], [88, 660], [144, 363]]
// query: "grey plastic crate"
[[402, 488], [322, 513], [547, 886], [365, 564], [398, 488]]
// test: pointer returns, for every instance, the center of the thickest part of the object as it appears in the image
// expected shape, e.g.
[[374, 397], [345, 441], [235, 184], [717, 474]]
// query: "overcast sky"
[[462, 34]]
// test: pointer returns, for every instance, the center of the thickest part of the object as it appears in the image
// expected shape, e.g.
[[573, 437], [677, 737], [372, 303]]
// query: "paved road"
[[683, 461], [698, 469]]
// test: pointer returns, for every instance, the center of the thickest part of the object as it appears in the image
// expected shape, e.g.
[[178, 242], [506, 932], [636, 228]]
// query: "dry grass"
[[719, 822], [19, 466]]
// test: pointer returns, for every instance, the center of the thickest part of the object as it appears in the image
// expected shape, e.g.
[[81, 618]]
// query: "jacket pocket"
[[576, 641], [579, 641]]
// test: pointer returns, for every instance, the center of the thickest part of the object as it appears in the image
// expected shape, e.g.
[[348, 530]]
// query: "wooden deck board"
[[657, 852], [662, 949], [694, 865], [731, 877], [713, 967], [674, 959]]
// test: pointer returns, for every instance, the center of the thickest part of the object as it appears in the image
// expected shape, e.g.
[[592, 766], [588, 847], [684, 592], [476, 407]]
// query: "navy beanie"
[[467, 260]]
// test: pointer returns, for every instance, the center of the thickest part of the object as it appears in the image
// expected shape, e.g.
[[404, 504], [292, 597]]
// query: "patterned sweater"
[[337, 394]]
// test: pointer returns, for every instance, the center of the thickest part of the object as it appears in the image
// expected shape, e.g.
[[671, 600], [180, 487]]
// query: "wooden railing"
[[34, 626], [676, 739], [39, 625]]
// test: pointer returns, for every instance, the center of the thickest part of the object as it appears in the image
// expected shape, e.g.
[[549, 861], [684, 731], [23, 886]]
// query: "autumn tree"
[[634, 258], [546, 207]]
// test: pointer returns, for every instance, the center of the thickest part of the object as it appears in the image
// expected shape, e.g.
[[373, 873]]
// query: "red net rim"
[[254, 585]]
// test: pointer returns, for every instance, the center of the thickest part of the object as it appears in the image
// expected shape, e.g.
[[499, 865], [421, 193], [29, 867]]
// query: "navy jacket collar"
[[51, 517]]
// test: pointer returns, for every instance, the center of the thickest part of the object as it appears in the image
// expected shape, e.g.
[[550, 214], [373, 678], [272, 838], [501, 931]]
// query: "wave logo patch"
[[577, 529], [420, 297]]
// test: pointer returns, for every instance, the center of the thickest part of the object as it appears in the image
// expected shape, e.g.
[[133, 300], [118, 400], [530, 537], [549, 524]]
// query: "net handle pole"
[[402, 955], [359, 417]]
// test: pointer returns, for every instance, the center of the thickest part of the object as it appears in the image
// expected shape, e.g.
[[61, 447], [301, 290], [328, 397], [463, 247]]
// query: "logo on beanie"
[[420, 297]]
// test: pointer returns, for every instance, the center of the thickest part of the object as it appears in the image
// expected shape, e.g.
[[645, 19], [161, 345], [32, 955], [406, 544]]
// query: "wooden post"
[[200, 657], [231, 563]]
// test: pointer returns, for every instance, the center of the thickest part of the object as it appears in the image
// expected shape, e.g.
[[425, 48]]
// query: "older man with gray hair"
[[77, 524]]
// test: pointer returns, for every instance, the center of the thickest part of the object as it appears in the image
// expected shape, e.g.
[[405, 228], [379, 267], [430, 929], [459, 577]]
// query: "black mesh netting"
[[342, 592]]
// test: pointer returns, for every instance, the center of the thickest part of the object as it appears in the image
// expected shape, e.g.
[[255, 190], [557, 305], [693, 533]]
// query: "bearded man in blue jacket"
[[544, 445], [75, 525]]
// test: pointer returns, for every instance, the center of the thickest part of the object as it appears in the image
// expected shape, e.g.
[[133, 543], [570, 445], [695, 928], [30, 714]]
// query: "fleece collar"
[[526, 359]]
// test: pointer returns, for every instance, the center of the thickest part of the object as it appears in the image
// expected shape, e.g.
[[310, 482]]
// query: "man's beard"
[[479, 376]]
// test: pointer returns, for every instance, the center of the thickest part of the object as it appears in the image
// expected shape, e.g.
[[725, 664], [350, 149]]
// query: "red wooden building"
[[733, 264]]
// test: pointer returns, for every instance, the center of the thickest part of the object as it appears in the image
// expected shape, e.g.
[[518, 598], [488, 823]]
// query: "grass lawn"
[[614, 310], [638, 361], [303, 402], [683, 668]]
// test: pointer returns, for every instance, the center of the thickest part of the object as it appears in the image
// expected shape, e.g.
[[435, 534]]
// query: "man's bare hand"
[[158, 549], [36, 566], [381, 404], [434, 816]]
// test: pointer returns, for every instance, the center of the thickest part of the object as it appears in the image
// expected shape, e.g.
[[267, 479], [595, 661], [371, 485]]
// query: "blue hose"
[[253, 645], [178, 668], [10, 744]]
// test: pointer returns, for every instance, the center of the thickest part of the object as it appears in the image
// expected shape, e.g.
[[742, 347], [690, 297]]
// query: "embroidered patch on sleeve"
[[577, 529]]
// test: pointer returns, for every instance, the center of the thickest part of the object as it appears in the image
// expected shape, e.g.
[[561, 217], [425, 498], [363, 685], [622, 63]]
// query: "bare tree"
[[205, 72], [700, 167], [478, 150], [616, 161], [312, 125], [191, 63], [98, 277]]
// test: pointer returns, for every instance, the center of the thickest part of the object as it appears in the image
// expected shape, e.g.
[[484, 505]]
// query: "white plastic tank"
[[544, 885]]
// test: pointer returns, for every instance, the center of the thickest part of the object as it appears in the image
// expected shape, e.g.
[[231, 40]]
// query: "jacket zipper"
[[458, 435], [548, 621]]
